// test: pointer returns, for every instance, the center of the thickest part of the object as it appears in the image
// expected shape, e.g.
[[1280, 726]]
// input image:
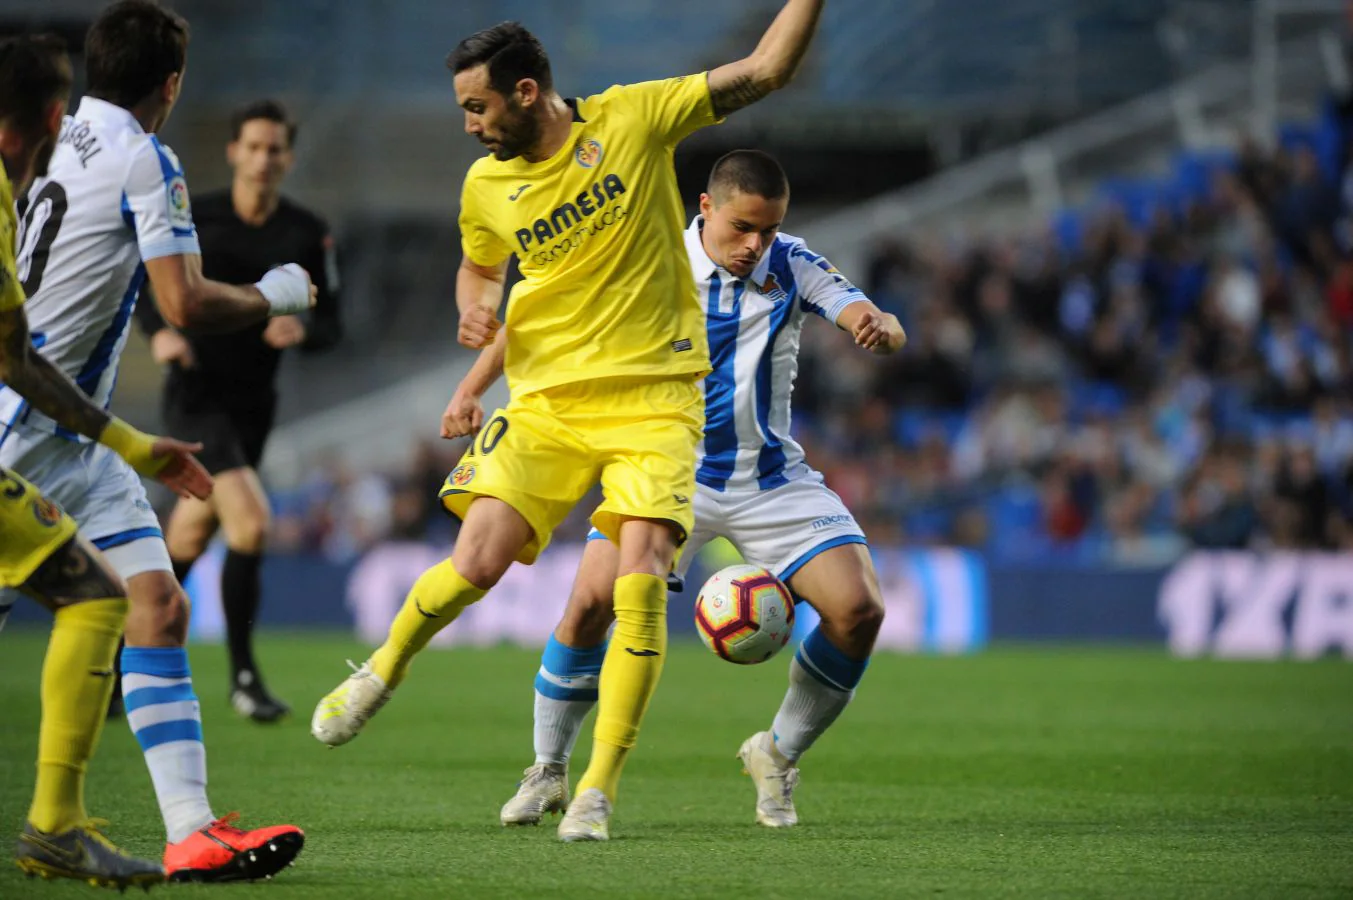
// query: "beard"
[[520, 132]]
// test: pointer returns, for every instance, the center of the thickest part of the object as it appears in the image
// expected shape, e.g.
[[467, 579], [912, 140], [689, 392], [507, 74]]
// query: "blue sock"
[[566, 690], [822, 681], [164, 715], [828, 664]]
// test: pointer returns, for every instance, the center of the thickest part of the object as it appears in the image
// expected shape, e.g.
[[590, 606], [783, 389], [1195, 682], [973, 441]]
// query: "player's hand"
[[168, 347], [463, 417], [880, 332], [179, 470], [283, 332], [287, 289], [478, 327]]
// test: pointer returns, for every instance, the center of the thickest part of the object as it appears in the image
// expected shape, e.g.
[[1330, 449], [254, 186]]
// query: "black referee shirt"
[[238, 368]]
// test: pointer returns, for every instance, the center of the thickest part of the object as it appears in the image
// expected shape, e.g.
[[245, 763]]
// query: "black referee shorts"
[[232, 434]]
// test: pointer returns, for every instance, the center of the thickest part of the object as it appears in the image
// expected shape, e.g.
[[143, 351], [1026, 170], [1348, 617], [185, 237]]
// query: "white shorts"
[[780, 529], [100, 491]]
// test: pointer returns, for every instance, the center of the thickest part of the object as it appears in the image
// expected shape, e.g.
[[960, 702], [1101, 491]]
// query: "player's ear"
[[528, 91], [169, 92], [706, 205]]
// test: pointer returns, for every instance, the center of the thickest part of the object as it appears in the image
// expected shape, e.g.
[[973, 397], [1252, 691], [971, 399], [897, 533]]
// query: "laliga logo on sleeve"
[[180, 214], [588, 153]]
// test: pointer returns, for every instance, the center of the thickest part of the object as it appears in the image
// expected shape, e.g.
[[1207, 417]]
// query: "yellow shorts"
[[32, 528], [544, 451]]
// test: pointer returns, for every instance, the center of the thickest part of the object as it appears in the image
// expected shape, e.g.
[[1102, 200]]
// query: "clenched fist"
[[478, 327], [879, 332]]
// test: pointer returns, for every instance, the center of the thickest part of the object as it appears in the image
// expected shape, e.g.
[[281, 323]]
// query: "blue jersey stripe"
[[770, 462], [721, 434], [92, 372]]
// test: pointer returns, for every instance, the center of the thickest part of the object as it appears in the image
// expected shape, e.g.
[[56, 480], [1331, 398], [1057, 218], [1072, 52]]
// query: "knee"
[[163, 608], [478, 565], [187, 542], [646, 548], [250, 535], [861, 616]]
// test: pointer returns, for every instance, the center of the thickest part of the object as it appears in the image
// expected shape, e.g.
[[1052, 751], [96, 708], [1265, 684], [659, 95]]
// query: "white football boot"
[[775, 780], [543, 789], [345, 710], [588, 818]]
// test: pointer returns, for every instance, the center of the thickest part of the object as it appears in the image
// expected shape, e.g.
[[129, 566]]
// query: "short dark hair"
[[271, 110], [750, 172], [34, 72], [131, 48], [511, 54]]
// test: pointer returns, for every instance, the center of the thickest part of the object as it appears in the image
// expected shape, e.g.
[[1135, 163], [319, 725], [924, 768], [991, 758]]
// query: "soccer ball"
[[744, 614]]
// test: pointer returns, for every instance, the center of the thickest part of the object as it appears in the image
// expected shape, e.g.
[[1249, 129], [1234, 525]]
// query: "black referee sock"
[[240, 590]]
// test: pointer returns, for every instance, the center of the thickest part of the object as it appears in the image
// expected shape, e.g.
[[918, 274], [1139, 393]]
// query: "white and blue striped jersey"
[[113, 197], [754, 326]]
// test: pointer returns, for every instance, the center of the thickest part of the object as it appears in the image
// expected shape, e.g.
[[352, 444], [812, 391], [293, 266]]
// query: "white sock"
[[822, 682], [164, 715], [566, 691], [809, 709], [558, 723]]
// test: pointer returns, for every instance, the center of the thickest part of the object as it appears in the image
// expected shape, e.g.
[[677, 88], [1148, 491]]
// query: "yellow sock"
[[77, 680], [629, 676], [439, 595]]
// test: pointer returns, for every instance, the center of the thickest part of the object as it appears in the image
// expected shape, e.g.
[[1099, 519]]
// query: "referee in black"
[[220, 388]]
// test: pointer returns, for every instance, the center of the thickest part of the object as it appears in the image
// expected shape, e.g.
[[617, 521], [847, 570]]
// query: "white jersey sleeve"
[[156, 202], [822, 288]]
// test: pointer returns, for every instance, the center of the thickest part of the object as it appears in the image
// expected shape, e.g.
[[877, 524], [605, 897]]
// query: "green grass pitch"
[[1014, 773]]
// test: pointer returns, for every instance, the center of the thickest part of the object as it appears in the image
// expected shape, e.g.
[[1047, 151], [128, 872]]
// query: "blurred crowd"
[[1169, 367]]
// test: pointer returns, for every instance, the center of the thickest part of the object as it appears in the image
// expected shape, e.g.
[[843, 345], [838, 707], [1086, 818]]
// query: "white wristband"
[[287, 290]]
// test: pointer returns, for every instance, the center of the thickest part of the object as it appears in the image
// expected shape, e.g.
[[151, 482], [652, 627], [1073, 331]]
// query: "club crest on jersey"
[[771, 288], [46, 512], [588, 152], [462, 475]]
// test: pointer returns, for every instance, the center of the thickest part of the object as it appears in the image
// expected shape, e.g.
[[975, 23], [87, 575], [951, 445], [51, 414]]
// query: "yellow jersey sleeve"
[[480, 244], [673, 108], [11, 291]]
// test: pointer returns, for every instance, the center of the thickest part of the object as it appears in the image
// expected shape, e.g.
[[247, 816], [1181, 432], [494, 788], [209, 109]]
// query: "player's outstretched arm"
[[465, 414], [772, 64], [479, 293], [52, 393], [873, 329], [189, 300]]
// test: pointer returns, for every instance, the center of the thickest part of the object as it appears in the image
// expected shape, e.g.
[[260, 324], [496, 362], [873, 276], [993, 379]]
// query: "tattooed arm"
[[46, 387], [772, 64]]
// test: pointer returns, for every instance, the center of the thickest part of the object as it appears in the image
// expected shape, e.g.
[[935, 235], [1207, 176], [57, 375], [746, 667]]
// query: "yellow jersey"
[[606, 286], [11, 291]]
